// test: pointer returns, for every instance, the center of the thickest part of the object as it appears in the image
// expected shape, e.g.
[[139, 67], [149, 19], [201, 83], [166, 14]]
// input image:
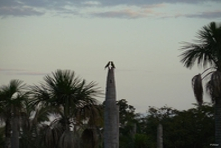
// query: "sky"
[[142, 38]]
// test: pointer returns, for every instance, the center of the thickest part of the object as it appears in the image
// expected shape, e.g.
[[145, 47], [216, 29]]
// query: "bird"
[[108, 64], [112, 64]]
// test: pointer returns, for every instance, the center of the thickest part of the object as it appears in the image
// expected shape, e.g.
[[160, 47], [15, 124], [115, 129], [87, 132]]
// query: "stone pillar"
[[111, 111], [160, 136]]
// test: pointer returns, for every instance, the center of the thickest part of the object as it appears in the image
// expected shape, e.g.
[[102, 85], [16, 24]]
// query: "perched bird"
[[108, 64], [112, 64]]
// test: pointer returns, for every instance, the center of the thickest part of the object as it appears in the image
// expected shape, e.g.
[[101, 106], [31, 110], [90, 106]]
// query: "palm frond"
[[195, 53], [214, 85], [12, 97], [92, 113], [198, 88], [52, 134], [15, 86], [216, 81], [41, 115], [206, 50], [209, 89], [69, 139], [38, 95], [91, 138]]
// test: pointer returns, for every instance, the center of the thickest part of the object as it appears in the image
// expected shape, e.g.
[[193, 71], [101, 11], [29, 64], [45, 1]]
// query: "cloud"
[[130, 12], [19, 11], [153, 6], [151, 2], [203, 15], [206, 15], [20, 72], [75, 7], [9, 3], [91, 3], [8, 70], [125, 13]]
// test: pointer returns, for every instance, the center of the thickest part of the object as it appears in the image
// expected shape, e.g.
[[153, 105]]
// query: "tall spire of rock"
[[111, 111]]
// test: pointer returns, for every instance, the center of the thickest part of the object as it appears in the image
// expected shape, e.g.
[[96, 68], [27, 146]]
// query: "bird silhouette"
[[108, 64], [112, 64]]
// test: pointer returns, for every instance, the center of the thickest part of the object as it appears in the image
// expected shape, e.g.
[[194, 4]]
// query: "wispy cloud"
[[91, 3], [19, 11], [203, 15], [21, 8], [151, 2], [20, 72], [130, 12], [206, 15], [126, 13]]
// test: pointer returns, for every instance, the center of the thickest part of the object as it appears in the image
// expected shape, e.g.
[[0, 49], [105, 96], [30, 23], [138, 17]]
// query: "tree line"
[[63, 112], [187, 128], [59, 113]]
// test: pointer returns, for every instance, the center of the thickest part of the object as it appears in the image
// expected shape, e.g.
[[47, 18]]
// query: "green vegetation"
[[80, 128], [63, 112], [189, 128], [206, 52], [53, 114]]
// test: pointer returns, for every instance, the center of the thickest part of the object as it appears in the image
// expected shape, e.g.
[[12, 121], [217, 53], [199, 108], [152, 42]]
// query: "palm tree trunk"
[[218, 122], [111, 113], [15, 132], [8, 133]]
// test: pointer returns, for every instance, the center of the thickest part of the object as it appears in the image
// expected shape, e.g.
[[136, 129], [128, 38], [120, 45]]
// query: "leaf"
[[216, 84], [198, 88]]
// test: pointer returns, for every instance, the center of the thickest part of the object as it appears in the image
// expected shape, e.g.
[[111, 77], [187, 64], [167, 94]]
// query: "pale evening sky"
[[141, 37]]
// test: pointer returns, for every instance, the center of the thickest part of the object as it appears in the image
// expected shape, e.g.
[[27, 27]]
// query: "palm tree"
[[11, 102], [71, 99], [32, 121], [207, 52]]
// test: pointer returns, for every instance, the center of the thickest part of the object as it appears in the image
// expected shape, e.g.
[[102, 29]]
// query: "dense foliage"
[[188, 128], [53, 114], [58, 115], [205, 52]]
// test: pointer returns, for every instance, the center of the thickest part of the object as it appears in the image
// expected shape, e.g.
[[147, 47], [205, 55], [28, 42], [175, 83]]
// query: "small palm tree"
[[207, 52], [70, 97], [11, 104], [32, 122]]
